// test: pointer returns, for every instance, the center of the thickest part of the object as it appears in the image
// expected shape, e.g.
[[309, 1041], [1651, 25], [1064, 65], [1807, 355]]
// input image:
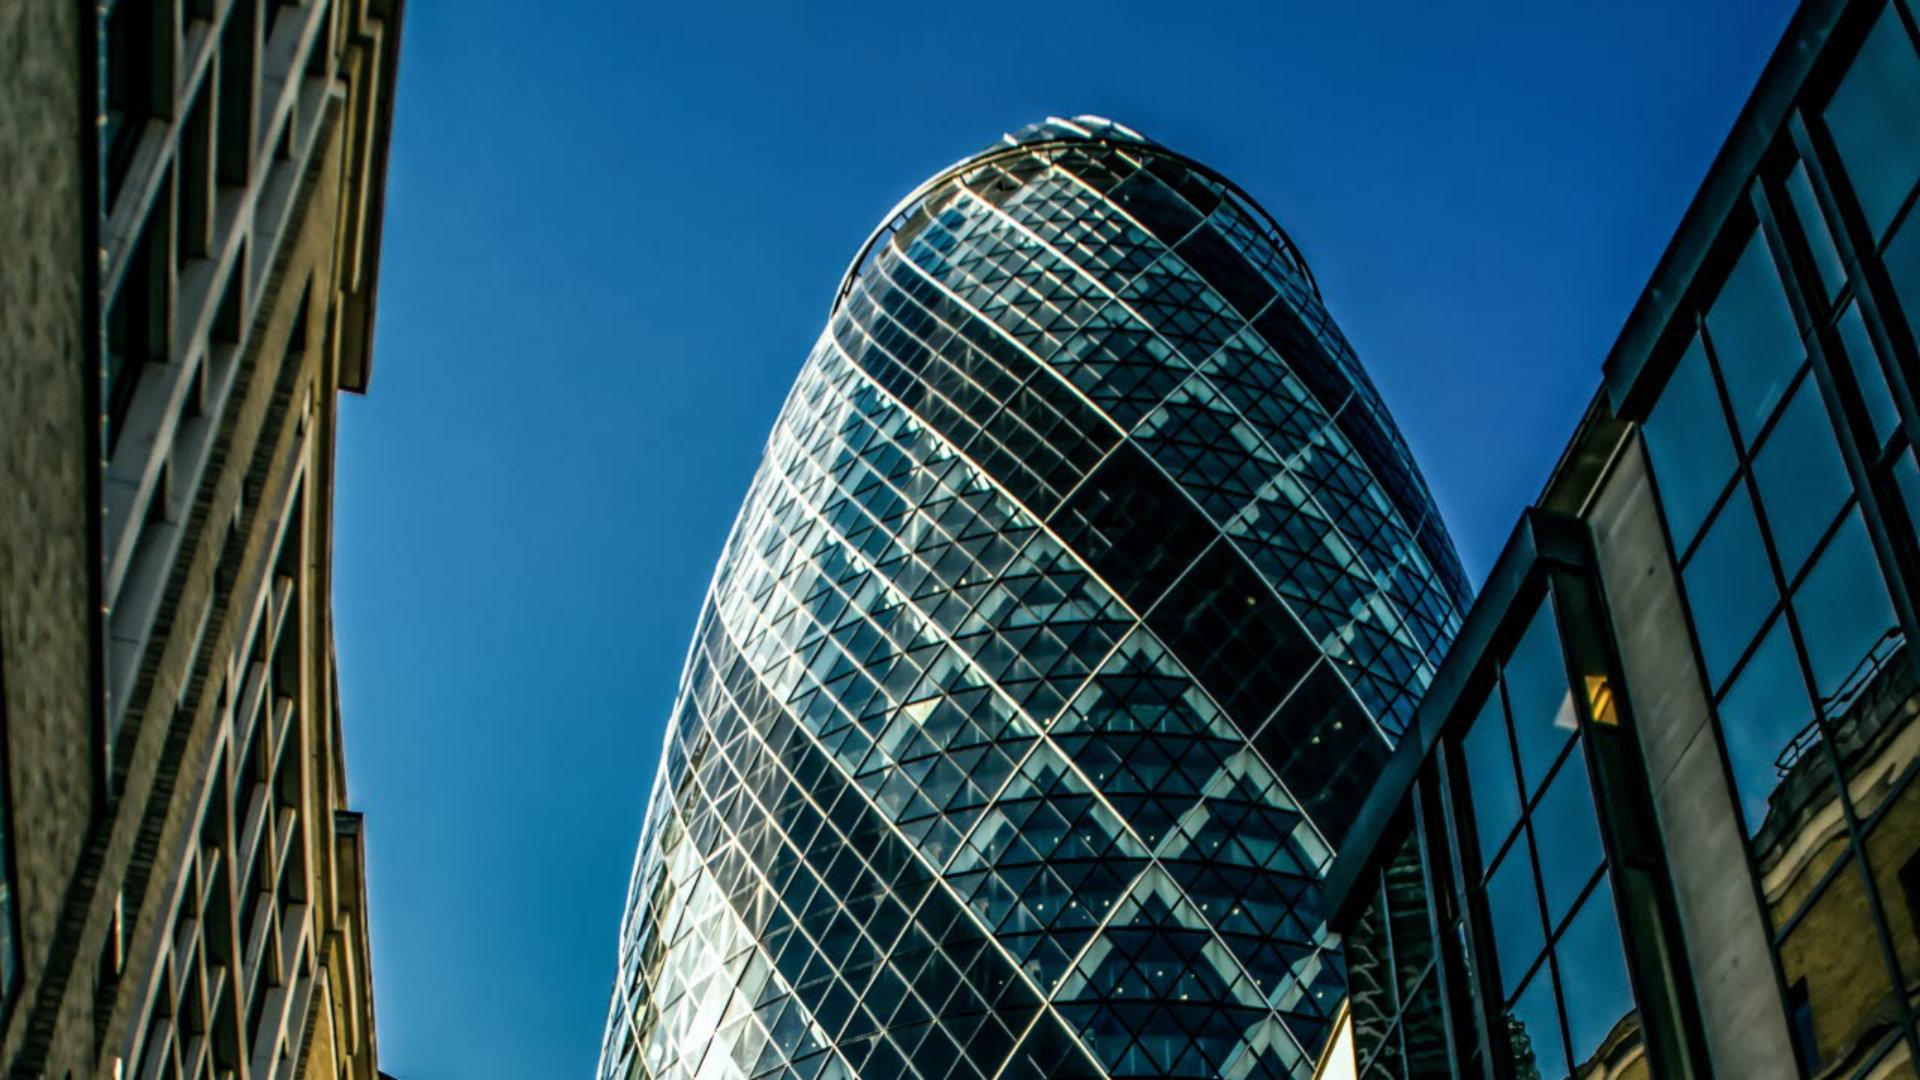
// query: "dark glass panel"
[[1533, 1032], [1602, 1024], [1845, 615], [1407, 914], [1566, 832], [1864, 361], [1873, 116], [1539, 698], [1228, 271], [1813, 225], [1154, 205], [1754, 337], [1133, 525], [1902, 259], [1423, 1027], [1687, 439], [1491, 785], [1325, 750], [1764, 714], [1369, 991], [1729, 587], [1906, 474], [1233, 634], [1802, 479], [1513, 907]]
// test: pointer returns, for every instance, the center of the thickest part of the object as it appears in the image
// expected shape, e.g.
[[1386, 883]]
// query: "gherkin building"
[[1082, 589]]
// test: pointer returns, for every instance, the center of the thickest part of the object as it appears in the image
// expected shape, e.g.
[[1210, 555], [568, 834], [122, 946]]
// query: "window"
[[1813, 225], [1872, 118], [1539, 698], [1490, 778], [1687, 440], [1765, 711], [1514, 909], [1533, 1031], [1754, 339], [1902, 259], [1863, 360], [1802, 479], [1593, 976], [1567, 828], [1729, 588], [1845, 614], [1801, 1008]]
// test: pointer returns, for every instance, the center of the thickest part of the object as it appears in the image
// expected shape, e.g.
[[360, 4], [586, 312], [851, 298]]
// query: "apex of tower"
[[1080, 127]]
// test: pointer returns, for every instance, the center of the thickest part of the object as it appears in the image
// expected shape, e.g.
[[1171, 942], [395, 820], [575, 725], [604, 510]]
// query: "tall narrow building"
[[190, 206], [1081, 593]]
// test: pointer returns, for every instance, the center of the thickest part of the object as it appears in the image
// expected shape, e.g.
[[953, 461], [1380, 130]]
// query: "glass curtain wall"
[[1082, 589]]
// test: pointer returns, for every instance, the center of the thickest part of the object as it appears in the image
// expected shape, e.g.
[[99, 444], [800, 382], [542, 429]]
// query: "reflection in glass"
[[1754, 338], [1813, 225], [1893, 848], [1538, 698], [1687, 440], [1873, 116], [1845, 615], [1763, 720], [1864, 360], [1490, 778], [1729, 587], [1803, 481], [1515, 910], [1593, 981], [1838, 978], [1567, 833], [1533, 1031]]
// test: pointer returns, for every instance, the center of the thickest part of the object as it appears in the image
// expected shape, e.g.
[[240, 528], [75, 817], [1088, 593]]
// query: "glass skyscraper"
[[1080, 594]]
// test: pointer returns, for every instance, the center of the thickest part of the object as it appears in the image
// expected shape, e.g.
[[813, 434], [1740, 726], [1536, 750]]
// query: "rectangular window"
[[1872, 117]]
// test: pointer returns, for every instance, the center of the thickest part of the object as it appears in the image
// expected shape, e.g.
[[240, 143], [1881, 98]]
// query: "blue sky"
[[613, 230]]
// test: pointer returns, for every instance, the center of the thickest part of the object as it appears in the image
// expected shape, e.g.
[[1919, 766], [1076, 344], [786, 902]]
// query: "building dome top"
[[1079, 127]]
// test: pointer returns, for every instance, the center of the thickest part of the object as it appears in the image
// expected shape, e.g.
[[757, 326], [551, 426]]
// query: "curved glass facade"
[[1076, 602]]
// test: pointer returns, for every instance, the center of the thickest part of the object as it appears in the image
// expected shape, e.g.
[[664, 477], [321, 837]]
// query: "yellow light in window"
[[1600, 701]]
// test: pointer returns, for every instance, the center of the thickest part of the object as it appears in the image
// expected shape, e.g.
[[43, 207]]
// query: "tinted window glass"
[[1813, 225], [1902, 259], [1844, 612], [1538, 696], [1907, 475], [1729, 588], [1567, 834], [1864, 360], [1763, 712], [1490, 778], [1533, 1031], [1593, 976], [1873, 116], [1754, 338], [1687, 440], [1803, 481], [1515, 910]]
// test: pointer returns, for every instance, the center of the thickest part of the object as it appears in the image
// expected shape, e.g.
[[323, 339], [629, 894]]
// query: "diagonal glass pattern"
[[1081, 590]]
